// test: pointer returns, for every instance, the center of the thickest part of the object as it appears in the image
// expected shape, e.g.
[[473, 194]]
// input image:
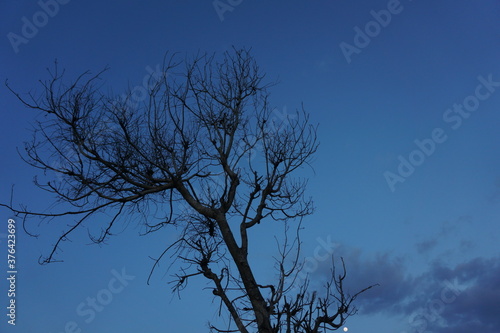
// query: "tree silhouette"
[[202, 152]]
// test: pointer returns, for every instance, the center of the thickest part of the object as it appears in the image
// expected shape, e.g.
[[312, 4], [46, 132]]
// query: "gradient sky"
[[431, 242]]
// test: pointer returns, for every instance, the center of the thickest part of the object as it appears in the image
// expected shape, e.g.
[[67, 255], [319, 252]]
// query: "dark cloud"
[[387, 271], [445, 299], [478, 304]]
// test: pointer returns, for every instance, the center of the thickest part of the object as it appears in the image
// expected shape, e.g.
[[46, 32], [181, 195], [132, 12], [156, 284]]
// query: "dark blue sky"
[[406, 181]]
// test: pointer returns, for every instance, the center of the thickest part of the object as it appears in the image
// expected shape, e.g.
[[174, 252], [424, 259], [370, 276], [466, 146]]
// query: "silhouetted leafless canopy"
[[202, 150]]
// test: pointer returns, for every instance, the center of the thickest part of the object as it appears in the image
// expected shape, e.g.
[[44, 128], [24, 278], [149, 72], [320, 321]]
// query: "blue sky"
[[430, 241]]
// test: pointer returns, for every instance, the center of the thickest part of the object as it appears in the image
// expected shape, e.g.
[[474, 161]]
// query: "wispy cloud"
[[426, 245], [452, 228]]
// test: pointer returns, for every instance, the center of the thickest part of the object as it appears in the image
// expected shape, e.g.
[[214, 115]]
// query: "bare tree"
[[204, 153]]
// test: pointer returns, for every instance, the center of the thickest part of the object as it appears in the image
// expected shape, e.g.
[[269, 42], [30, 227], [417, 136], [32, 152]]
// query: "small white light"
[[346, 329]]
